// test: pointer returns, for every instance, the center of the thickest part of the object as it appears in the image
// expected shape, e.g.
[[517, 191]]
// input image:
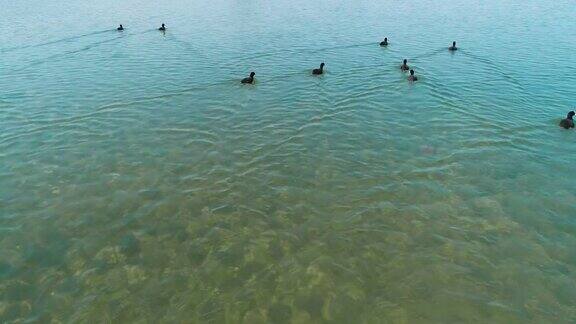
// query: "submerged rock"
[[197, 254], [5, 270], [254, 317], [135, 274], [312, 304], [150, 194], [129, 245], [279, 313], [110, 255]]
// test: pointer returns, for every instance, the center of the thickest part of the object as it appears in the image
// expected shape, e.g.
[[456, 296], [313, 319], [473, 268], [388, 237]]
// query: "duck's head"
[[252, 74], [411, 72], [163, 25], [322, 65], [571, 115], [453, 44], [121, 26], [405, 61]]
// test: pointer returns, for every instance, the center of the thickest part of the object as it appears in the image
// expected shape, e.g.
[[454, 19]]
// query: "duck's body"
[[404, 66], [319, 71], [162, 28], [120, 28], [249, 80], [412, 77], [384, 43], [453, 47], [568, 122]]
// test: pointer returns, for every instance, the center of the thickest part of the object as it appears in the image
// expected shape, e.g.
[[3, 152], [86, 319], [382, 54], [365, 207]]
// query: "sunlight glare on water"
[[140, 182]]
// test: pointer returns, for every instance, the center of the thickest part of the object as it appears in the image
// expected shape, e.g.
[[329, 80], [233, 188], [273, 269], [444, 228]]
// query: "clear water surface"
[[140, 182]]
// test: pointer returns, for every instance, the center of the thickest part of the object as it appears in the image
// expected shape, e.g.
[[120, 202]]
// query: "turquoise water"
[[140, 182]]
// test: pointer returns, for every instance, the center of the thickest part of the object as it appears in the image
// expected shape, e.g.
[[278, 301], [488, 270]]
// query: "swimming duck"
[[162, 28], [453, 47], [249, 79], [120, 28], [569, 121], [385, 42], [319, 71], [412, 77], [404, 66]]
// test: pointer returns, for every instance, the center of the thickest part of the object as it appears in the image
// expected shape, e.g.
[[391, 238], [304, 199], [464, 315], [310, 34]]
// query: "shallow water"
[[140, 182]]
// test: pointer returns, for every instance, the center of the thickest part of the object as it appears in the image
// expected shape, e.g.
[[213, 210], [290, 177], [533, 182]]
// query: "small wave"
[[494, 67], [309, 50], [67, 39], [52, 58]]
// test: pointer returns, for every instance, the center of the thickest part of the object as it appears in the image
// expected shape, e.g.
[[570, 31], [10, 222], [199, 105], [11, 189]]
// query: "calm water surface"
[[140, 182]]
